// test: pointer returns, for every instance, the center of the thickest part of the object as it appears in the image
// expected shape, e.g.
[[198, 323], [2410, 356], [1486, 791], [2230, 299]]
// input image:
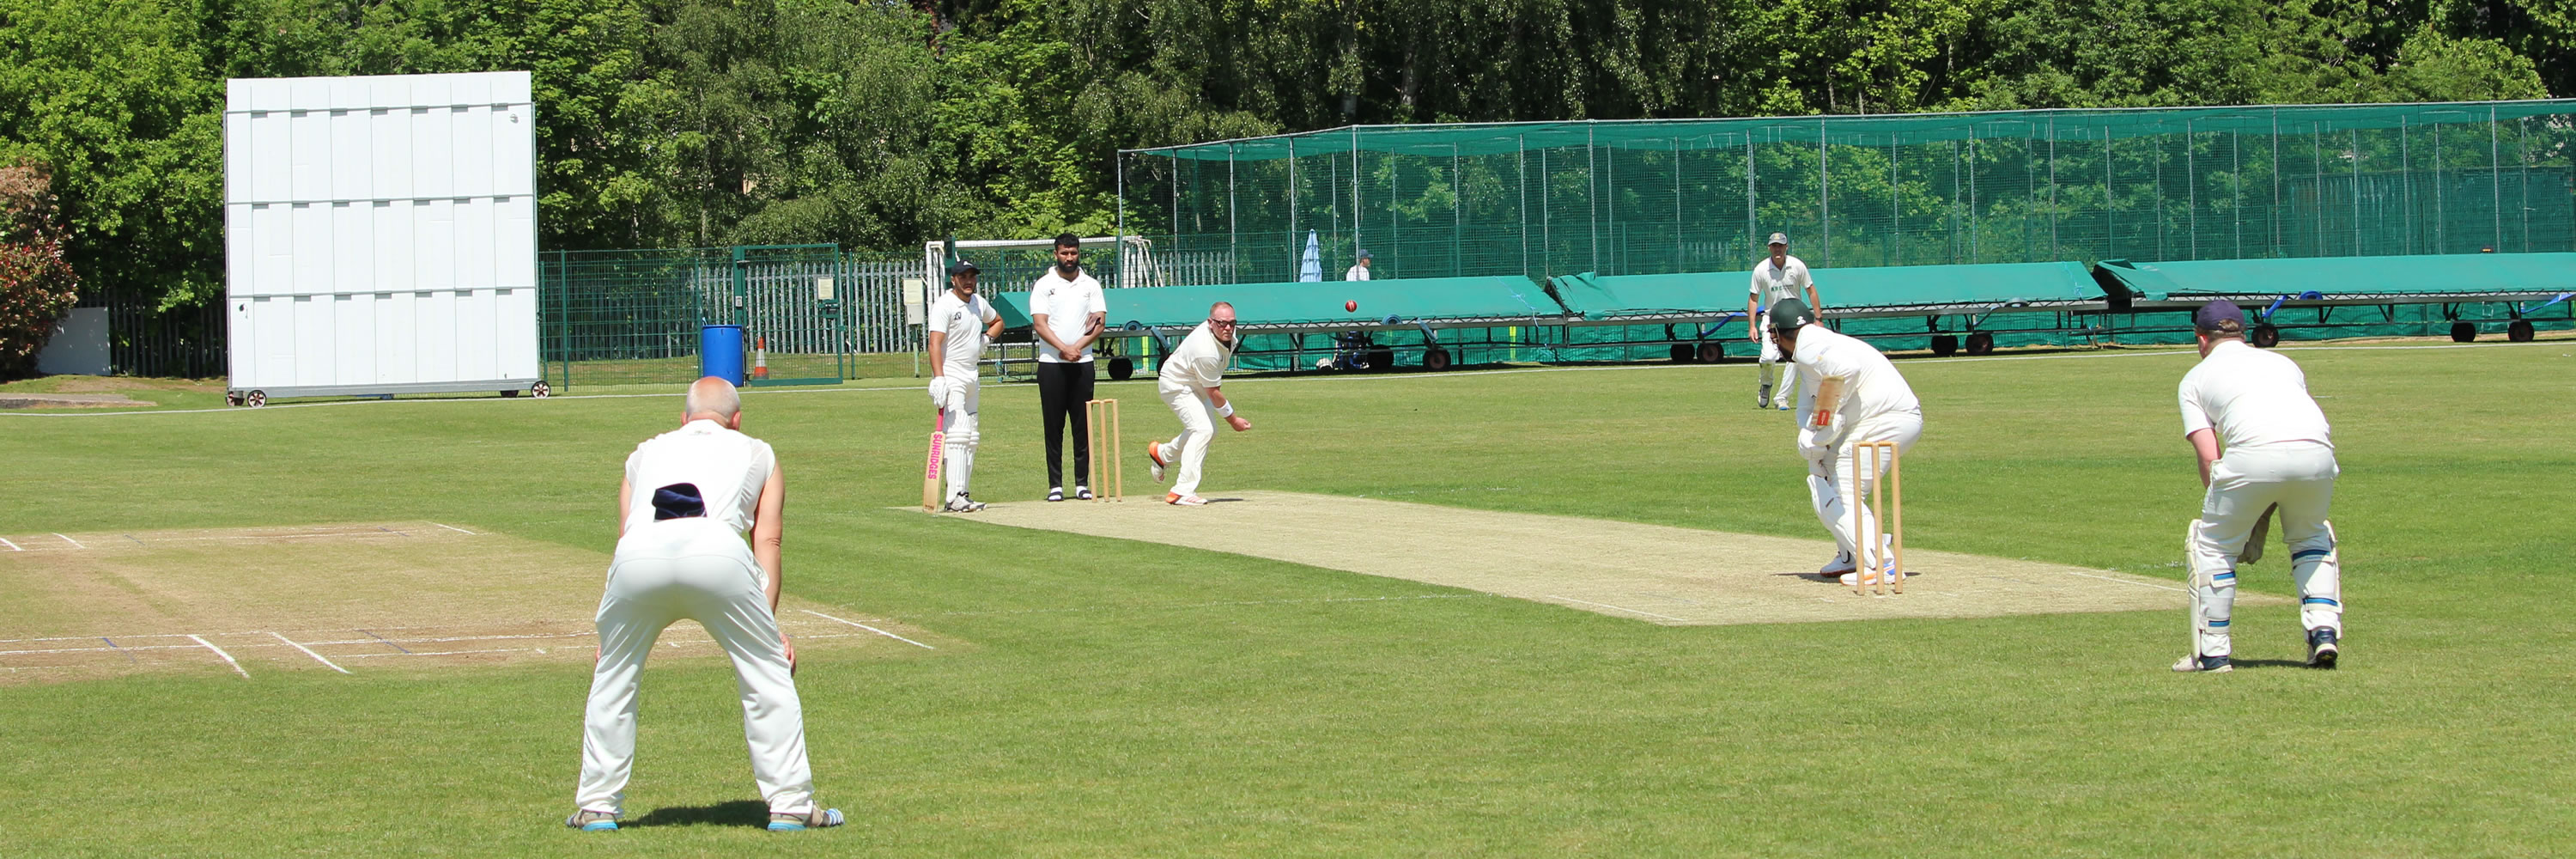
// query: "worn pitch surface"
[[1658, 574], [344, 597]]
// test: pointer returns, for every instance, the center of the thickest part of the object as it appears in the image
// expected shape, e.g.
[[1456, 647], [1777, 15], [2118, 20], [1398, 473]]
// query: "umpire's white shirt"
[[1199, 362], [964, 320], [1068, 305], [1772, 283], [2251, 398], [1357, 272], [728, 467], [1872, 387]]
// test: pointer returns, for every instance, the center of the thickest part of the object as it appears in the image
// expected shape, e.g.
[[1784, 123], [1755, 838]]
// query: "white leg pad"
[[2318, 571], [2213, 592]]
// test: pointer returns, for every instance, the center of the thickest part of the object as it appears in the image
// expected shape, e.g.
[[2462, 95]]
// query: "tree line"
[[672, 123]]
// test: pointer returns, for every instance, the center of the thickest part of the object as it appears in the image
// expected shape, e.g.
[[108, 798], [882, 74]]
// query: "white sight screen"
[[380, 232]]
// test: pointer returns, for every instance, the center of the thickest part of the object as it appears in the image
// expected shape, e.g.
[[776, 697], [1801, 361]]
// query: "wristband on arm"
[[1225, 411]]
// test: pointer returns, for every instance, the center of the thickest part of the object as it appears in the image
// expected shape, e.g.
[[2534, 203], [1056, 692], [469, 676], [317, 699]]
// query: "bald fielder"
[[1863, 399], [961, 322], [1188, 383], [688, 497], [2263, 446], [1776, 278]]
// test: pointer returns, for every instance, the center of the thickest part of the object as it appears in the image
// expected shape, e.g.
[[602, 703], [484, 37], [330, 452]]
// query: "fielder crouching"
[[1864, 400], [688, 497]]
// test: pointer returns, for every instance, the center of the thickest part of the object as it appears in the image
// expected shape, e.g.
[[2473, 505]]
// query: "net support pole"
[[2317, 174], [2110, 223], [2190, 190], [1293, 251], [1233, 224], [1752, 235], [1824, 197], [2495, 173], [2441, 216], [1592, 187], [2053, 252], [1678, 252], [2406, 172], [2356, 192], [1118, 226]]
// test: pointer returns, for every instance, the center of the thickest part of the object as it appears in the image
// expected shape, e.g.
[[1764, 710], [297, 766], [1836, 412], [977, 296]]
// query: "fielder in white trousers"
[[1787, 392], [699, 569], [689, 497]]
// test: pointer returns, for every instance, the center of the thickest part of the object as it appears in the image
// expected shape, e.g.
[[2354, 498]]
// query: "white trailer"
[[380, 236]]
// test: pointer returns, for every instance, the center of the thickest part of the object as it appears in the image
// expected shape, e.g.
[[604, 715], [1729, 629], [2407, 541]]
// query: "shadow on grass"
[[2271, 663], [740, 812]]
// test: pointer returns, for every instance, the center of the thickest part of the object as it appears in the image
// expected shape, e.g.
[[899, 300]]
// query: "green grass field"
[[1112, 698]]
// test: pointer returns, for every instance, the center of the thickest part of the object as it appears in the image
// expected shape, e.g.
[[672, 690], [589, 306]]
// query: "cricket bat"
[[930, 473], [2254, 543], [1829, 399]]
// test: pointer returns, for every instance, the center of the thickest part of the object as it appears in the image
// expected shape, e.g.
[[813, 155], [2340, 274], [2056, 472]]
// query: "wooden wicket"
[[1887, 511], [1108, 471]]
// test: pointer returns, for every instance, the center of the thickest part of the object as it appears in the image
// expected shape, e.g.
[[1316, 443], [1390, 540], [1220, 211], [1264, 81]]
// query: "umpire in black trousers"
[[1068, 310]]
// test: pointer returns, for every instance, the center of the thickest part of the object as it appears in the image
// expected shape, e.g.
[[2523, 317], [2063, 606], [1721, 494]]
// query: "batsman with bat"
[[1848, 392], [2264, 449], [961, 322]]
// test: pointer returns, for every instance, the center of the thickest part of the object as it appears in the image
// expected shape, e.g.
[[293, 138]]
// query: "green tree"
[[116, 98]]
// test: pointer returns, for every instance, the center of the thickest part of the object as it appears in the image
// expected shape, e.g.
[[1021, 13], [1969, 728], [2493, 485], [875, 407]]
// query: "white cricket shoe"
[[2208, 664], [1154, 451], [1177, 499], [964, 504], [1842, 563]]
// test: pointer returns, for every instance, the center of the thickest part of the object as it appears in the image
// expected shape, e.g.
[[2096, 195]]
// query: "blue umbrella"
[[1312, 269]]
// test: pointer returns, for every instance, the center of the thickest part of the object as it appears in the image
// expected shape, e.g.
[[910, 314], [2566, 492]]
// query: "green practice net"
[[1666, 196]]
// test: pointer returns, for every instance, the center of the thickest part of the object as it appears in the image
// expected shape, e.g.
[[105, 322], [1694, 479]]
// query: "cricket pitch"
[[1654, 573]]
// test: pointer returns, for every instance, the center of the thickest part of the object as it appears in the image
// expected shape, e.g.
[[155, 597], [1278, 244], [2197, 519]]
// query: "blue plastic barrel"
[[720, 352]]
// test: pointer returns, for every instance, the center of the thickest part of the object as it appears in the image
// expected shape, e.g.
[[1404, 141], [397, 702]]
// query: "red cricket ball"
[[1350, 305]]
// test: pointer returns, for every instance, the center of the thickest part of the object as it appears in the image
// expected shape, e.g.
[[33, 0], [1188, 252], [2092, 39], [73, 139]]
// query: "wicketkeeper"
[[1863, 399], [2263, 446]]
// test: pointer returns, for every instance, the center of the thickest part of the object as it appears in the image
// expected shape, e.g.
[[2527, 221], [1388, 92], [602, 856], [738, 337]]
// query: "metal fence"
[[635, 316], [144, 339]]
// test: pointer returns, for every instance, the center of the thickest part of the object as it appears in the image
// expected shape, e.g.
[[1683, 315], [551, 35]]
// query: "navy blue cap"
[[2210, 315], [678, 501], [1365, 255], [960, 267]]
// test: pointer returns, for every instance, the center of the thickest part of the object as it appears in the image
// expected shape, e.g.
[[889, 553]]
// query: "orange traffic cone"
[[760, 358]]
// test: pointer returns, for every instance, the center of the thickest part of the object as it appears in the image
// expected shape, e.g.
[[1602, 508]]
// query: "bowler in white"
[[1189, 384]]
